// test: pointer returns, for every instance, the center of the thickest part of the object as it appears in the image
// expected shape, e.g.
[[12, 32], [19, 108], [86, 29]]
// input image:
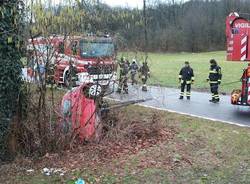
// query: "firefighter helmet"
[[213, 61]]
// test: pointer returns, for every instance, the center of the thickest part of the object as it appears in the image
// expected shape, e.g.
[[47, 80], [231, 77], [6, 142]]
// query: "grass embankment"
[[200, 152], [165, 68]]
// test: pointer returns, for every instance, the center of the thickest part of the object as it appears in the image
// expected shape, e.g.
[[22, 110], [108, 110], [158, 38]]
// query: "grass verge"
[[200, 152]]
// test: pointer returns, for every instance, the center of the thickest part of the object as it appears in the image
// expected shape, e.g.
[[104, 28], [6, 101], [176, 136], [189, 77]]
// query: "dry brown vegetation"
[[120, 137]]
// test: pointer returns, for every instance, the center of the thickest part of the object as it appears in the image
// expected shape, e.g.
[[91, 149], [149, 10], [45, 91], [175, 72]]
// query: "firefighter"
[[133, 71], [72, 75], [74, 48], [144, 74], [120, 63], [186, 78], [123, 79], [127, 62], [214, 80]]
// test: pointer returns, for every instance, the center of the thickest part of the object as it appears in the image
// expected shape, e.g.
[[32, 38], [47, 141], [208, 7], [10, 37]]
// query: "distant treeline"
[[193, 26]]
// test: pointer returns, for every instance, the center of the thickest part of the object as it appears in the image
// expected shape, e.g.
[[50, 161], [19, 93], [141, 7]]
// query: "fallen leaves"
[[120, 139]]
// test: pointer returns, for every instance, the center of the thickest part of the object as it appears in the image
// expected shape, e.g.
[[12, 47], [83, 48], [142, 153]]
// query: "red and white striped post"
[[243, 51]]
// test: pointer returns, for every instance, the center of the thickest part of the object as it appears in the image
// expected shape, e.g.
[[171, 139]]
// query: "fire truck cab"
[[93, 57]]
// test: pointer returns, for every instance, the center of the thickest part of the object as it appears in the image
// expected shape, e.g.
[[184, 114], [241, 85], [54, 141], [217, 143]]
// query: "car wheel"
[[93, 91]]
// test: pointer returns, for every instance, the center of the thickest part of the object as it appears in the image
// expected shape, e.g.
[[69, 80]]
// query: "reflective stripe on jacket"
[[215, 74]]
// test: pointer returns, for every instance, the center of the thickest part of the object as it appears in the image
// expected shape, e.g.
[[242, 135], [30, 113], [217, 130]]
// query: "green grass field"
[[165, 68]]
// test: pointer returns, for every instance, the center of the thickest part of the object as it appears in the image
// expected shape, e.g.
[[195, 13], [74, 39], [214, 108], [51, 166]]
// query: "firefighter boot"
[[216, 98], [212, 100], [125, 91], [188, 95], [181, 95], [144, 88]]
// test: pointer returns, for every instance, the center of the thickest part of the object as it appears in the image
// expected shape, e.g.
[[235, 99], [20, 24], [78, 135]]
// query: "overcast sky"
[[129, 3], [123, 3], [134, 3]]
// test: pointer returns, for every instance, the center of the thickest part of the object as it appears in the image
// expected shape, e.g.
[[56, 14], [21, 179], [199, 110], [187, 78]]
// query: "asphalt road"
[[199, 105]]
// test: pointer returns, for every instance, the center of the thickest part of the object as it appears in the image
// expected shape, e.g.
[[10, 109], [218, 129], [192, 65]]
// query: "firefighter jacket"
[[186, 75], [124, 68], [214, 74], [133, 68]]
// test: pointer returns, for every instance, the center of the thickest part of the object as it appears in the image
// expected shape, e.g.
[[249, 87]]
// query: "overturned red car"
[[79, 110]]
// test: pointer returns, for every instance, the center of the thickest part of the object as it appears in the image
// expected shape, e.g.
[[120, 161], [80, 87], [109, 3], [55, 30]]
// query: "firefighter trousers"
[[144, 79], [185, 84], [214, 87], [144, 82], [123, 84], [134, 81]]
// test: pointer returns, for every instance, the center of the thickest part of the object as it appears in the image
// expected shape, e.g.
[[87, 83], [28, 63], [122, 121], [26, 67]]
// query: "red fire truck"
[[238, 35], [93, 57], [238, 49]]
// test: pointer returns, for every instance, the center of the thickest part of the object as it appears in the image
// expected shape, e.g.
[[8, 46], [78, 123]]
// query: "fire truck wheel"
[[92, 91]]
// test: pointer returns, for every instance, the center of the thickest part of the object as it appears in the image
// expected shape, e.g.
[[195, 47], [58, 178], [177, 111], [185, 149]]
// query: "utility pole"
[[145, 26]]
